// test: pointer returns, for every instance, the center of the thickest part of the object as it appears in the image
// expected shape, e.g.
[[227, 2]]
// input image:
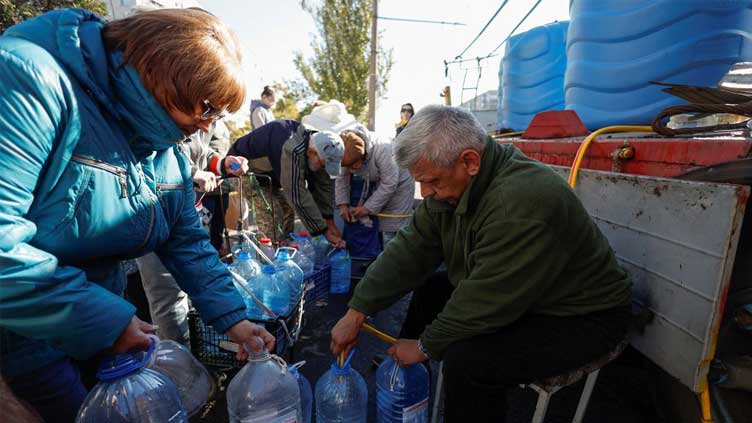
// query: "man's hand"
[[345, 332], [236, 165], [135, 337], [251, 336], [405, 352], [332, 234], [361, 211], [344, 212], [204, 181]]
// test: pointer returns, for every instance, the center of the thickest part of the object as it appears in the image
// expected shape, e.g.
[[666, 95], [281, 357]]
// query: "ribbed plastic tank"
[[616, 47], [531, 75]]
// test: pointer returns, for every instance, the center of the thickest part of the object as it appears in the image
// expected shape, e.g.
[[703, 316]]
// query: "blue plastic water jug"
[[275, 291], [305, 264], [401, 393], [341, 395], [306, 244], [128, 392], [321, 246], [306, 393], [290, 272], [340, 261]]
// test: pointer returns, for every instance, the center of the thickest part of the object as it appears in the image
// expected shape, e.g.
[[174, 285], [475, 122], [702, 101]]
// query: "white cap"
[[331, 116]]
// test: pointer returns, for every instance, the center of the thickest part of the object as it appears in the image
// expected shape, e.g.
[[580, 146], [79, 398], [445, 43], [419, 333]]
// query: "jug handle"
[[333, 250], [149, 352], [288, 249]]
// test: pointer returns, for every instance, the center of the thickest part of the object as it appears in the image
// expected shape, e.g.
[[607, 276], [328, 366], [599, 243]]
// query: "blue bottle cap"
[[121, 365], [268, 269], [244, 255]]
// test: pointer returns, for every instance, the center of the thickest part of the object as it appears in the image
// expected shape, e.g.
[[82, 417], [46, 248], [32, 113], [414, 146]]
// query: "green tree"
[[15, 11], [294, 99], [340, 65], [237, 131]]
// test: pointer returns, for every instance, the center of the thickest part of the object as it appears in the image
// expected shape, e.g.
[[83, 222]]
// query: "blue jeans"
[[55, 391]]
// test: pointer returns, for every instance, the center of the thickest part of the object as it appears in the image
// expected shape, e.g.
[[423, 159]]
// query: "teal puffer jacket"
[[90, 174]]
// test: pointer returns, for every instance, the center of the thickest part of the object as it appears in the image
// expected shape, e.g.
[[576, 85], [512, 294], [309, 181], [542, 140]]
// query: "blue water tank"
[[531, 75], [615, 47]]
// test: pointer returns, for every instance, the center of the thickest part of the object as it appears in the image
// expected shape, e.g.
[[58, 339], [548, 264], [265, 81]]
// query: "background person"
[[304, 163], [406, 113], [532, 287], [387, 189], [261, 112], [92, 115]]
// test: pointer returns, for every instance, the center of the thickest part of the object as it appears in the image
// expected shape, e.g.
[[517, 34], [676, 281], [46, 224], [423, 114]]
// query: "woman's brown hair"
[[183, 56]]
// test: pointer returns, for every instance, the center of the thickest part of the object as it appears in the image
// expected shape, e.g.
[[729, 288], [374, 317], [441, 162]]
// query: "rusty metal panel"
[[678, 241]]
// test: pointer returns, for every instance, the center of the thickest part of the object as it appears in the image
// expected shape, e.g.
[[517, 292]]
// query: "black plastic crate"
[[358, 267], [207, 344], [316, 286]]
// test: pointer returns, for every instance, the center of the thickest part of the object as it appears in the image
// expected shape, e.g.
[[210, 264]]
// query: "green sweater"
[[519, 241]]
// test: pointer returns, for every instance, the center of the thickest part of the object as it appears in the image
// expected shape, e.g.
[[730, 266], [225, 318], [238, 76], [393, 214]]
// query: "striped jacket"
[[284, 143]]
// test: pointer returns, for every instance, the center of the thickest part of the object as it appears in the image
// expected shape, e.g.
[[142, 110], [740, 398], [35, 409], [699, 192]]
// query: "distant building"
[[484, 108], [123, 8]]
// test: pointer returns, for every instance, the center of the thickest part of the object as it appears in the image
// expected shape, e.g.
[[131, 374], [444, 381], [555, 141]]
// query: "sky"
[[272, 31]]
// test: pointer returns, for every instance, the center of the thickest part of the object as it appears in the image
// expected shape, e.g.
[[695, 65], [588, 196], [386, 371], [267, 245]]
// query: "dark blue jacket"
[[266, 141]]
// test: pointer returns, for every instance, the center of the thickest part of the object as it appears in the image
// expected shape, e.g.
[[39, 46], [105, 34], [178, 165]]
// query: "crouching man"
[[532, 287]]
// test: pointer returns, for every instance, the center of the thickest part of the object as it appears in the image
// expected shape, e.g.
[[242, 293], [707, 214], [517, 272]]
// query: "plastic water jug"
[[306, 244], [275, 291], [264, 391], [181, 367], [265, 244], [305, 264], [340, 261], [321, 245], [306, 393], [245, 260], [401, 393], [341, 395], [245, 287], [290, 272], [128, 392]]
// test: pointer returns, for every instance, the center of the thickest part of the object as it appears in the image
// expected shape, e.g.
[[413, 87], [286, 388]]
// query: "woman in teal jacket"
[[92, 118]]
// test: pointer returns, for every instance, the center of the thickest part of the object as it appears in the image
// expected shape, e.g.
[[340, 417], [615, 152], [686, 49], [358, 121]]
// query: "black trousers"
[[479, 370]]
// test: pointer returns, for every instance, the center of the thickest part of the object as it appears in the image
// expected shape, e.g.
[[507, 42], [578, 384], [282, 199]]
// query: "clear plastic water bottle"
[[191, 378], [305, 264], [306, 244], [245, 287], [128, 392], [275, 291], [341, 395], [246, 262], [321, 247], [291, 272], [306, 393], [264, 391], [401, 393], [265, 244], [340, 261]]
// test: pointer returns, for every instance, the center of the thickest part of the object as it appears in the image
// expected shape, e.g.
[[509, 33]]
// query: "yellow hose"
[[393, 216], [379, 334], [586, 143]]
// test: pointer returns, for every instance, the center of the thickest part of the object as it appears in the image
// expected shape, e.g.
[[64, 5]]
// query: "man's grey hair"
[[438, 134]]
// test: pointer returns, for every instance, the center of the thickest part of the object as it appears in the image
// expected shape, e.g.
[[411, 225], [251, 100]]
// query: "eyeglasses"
[[211, 112], [406, 110]]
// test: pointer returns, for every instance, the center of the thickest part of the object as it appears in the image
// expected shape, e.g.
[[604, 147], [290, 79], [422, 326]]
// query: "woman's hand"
[[134, 337], [251, 336], [204, 181]]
